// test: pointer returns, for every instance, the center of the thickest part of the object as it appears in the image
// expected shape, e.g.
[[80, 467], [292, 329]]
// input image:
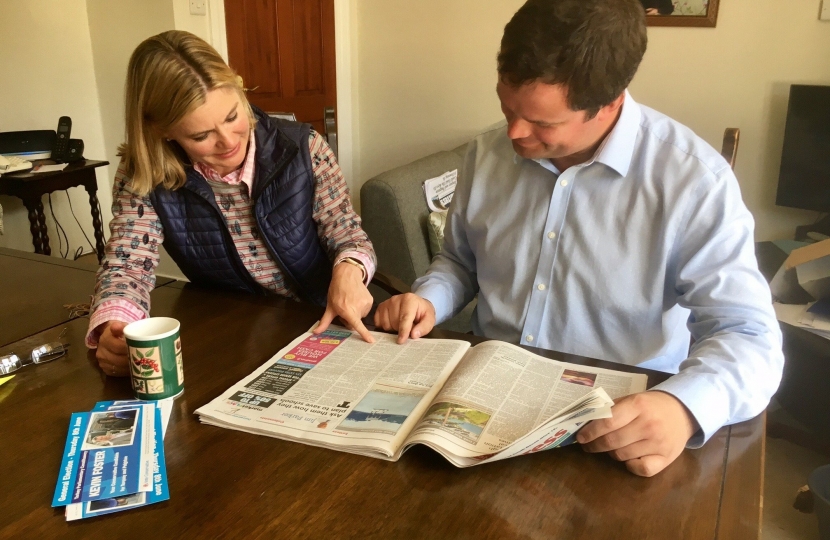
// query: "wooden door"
[[284, 51]]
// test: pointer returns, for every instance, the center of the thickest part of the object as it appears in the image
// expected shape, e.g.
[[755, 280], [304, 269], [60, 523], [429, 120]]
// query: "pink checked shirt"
[[127, 277]]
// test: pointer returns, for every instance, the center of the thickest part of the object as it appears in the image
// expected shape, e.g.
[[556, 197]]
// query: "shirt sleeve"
[[735, 364], [338, 226], [127, 272], [451, 281], [116, 309]]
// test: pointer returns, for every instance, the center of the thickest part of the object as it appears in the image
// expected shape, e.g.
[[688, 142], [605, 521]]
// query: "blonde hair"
[[169, 76]]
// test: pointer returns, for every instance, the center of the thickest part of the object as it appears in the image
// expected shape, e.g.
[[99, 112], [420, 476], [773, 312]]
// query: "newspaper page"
[[439, 191], [500, 394], [337, 391]]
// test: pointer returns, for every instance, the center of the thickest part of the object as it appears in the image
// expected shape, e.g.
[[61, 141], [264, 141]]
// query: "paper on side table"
[[797, 315]]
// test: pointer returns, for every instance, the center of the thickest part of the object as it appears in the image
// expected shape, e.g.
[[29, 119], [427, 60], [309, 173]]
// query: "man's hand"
[[112, 349], [409, 314], [648, 431], [349, 299]]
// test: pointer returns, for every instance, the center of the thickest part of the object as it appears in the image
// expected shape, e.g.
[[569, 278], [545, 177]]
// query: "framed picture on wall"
[[681, 12]]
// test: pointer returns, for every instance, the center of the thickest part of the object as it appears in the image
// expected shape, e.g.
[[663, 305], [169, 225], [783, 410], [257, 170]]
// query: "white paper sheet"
[[796, 315]]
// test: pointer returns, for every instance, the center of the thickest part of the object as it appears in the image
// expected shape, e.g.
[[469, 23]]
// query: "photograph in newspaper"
[[579, 377], [463, 421], [383, 409]]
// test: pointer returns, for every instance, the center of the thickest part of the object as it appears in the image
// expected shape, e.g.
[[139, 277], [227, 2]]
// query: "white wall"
[[116, 29], [738, 75], [195, 24], [46, 45], [426, 78]]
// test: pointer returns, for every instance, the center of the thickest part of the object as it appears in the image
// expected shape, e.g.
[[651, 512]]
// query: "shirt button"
[[551, 235], [564, 183], [529, 338], [541, 286]]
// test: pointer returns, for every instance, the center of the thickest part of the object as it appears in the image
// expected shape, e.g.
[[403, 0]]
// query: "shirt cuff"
[[438, 297], [111, 310], [365, 260], [708, 405]]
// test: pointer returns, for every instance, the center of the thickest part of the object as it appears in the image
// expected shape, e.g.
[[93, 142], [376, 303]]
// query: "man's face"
[[542, 126]]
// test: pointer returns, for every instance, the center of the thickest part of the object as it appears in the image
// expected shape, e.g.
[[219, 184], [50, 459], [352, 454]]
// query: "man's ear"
[[612, 109]]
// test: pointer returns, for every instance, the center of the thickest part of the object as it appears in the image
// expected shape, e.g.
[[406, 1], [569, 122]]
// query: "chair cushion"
[[435, 229]]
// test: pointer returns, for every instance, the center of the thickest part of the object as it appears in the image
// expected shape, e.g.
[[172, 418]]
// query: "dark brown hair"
[[592, 47]]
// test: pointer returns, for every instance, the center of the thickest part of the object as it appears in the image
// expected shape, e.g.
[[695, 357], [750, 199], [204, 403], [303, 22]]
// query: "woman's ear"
[[156, 132]]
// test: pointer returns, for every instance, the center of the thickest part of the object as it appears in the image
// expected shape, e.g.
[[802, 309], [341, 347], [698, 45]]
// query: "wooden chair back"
[[729, 150]]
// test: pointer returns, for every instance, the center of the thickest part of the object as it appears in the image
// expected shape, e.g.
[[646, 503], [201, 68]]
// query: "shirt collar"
[[617, 149], [244, 174]]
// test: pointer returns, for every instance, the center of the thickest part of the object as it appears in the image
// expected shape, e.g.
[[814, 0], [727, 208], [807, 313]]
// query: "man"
[[592, 225]]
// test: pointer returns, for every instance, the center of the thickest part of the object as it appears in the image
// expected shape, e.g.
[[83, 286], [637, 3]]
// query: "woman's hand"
[[112, 349], [349, 299]]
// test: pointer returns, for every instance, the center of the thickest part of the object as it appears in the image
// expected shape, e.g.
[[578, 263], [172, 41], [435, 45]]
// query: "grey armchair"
[[394, 213]]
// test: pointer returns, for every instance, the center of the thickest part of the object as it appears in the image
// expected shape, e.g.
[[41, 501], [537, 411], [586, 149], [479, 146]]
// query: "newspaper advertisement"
[[336, 390], [158, 493], [107, 454], [439, 191], [500, 394]]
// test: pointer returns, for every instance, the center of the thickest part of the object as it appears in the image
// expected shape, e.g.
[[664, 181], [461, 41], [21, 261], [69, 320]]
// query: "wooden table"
[[31, 187], [35, 288], [231, 484]]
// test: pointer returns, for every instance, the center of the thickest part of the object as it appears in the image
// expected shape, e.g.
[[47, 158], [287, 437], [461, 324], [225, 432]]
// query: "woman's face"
[[216, 133]]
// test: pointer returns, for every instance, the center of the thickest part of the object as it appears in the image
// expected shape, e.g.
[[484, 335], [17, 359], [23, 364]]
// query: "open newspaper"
[[471, 404]]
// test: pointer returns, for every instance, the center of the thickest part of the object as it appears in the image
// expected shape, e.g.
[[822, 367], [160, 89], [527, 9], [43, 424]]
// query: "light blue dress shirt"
[[618, 258]]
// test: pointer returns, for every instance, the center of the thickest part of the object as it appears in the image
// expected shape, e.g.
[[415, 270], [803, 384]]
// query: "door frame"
[[343, 26]]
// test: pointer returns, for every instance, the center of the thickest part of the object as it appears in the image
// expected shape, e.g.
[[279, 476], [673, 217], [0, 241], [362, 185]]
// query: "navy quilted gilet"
[[196, 235]]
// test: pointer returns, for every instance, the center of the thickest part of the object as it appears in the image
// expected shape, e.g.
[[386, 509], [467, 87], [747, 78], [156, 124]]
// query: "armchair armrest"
[[390, 284]]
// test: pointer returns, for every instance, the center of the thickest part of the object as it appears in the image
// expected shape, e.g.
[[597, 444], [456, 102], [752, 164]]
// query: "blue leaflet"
[[107, 454], [159, 490]]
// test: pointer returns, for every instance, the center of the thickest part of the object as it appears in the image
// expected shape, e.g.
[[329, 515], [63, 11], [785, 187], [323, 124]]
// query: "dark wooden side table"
[[31, 187]]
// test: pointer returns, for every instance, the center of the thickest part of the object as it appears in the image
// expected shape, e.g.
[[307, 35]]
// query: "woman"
[[240, 200]]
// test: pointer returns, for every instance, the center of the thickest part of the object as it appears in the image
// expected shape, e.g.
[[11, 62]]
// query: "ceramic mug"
[[155, 357]]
